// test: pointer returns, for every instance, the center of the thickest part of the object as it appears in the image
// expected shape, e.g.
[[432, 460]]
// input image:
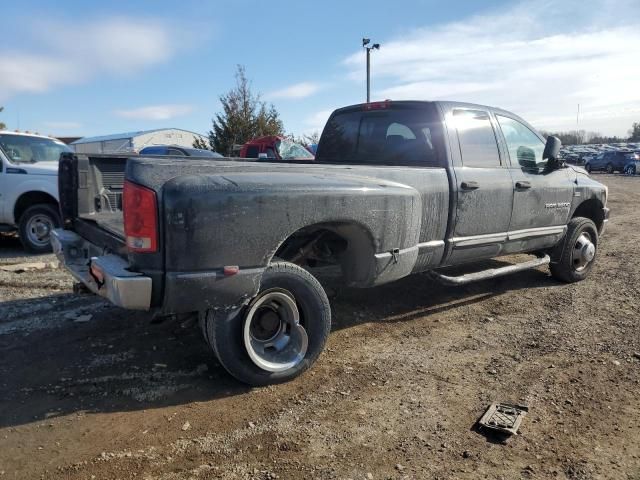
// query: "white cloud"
[[156, 112], [315, 122], [296, 91], [538, 59], [71, 54]]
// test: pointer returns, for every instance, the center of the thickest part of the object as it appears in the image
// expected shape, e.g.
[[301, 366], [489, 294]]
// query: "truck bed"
[[110, 221], [90, 190]]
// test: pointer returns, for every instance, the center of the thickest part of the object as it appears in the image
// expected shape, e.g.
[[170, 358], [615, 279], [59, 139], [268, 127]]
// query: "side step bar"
[[491, 273]]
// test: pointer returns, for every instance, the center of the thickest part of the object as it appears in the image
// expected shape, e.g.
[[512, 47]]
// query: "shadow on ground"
[[10, 247], [120, 361]]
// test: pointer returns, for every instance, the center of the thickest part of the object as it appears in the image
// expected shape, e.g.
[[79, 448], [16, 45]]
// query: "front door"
[[484, 188], [542, 195]]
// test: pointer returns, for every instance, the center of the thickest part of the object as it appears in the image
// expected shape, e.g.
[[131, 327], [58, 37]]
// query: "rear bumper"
[[121, 287]]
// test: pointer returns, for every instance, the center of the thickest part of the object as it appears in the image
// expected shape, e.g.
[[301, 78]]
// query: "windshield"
[[27, 149], [290, 150]]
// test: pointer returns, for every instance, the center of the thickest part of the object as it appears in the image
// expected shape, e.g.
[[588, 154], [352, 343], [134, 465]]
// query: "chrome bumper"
[[121, 287]]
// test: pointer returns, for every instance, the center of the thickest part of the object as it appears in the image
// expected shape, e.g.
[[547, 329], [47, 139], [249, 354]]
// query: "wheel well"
[[349, 245], [591, 209], [29, 199]]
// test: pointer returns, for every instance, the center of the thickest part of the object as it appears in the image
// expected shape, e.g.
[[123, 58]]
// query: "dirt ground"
[[88, 390]]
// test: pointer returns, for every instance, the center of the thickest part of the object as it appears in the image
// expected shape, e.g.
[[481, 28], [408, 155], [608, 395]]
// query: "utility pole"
[[375, 46]]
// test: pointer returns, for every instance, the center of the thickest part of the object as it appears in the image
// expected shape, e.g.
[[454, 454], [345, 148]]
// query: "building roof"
[[126, 135]]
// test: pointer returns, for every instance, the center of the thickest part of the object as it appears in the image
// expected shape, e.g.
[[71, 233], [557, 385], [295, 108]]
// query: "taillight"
[[140, 211], [377, 105]]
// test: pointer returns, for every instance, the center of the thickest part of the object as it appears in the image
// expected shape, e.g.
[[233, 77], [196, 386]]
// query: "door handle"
[[523, 185], [469, 185]]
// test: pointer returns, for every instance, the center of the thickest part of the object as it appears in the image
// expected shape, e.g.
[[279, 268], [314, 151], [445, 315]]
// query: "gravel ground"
[[88, 390]]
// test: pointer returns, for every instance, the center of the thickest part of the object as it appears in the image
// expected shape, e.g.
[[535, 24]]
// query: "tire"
[[609, 168], [575, 257], [587, 167], [630, 170], [35, 226], [284, 288]]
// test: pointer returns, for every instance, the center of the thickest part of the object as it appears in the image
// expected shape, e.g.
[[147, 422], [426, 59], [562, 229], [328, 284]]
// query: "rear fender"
[[242, 218]]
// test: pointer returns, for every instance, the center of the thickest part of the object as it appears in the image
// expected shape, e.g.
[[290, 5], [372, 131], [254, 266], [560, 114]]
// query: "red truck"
[[275, 148]]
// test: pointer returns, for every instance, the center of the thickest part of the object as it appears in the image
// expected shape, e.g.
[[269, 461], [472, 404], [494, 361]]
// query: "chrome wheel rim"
[[584, 251], [273, 337], [38, 229]]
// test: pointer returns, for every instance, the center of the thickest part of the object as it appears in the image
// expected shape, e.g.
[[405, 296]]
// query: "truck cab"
[[29, 187]]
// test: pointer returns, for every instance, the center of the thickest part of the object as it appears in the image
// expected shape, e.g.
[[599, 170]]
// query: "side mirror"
[[552, 148]]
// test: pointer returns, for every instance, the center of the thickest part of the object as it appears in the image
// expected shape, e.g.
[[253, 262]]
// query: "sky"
[[77, 68]]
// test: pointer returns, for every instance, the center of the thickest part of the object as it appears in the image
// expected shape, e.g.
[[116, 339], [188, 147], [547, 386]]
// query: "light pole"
[[375, 46]]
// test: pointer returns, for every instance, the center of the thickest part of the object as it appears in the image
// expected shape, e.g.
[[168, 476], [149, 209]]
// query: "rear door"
[[484, 187], [620, 161], [542, 195]]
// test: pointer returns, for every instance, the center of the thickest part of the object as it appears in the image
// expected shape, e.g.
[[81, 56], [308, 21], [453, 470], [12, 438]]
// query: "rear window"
[[395, 136], [154, 151]]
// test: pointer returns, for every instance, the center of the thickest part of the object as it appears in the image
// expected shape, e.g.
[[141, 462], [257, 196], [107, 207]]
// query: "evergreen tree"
[[244, 116]]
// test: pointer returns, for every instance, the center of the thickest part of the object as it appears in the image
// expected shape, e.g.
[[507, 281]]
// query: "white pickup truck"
[[29, 187]]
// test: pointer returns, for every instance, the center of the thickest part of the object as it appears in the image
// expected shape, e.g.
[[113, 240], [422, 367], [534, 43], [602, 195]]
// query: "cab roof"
[[27, 134]]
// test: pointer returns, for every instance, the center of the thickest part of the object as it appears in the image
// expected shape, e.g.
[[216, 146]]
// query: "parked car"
[[609, 162], [633, 167], [272, 148], [29, 187], [397, 188], [178, 151]]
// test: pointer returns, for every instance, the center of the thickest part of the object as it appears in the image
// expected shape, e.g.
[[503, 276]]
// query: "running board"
[[491, 273]]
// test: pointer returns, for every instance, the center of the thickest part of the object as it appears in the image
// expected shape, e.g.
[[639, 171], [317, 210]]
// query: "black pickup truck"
[[397, 188]]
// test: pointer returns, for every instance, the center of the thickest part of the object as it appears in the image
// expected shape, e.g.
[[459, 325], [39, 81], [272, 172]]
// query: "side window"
[[477, 139], [252, 151], [524, 146], [173, 151]]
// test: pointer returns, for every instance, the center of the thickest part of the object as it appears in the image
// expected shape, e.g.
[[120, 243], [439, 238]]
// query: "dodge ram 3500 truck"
[[397, 188]]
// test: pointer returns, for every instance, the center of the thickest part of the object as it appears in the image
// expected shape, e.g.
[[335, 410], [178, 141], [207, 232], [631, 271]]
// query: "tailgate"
[[90, 188]]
